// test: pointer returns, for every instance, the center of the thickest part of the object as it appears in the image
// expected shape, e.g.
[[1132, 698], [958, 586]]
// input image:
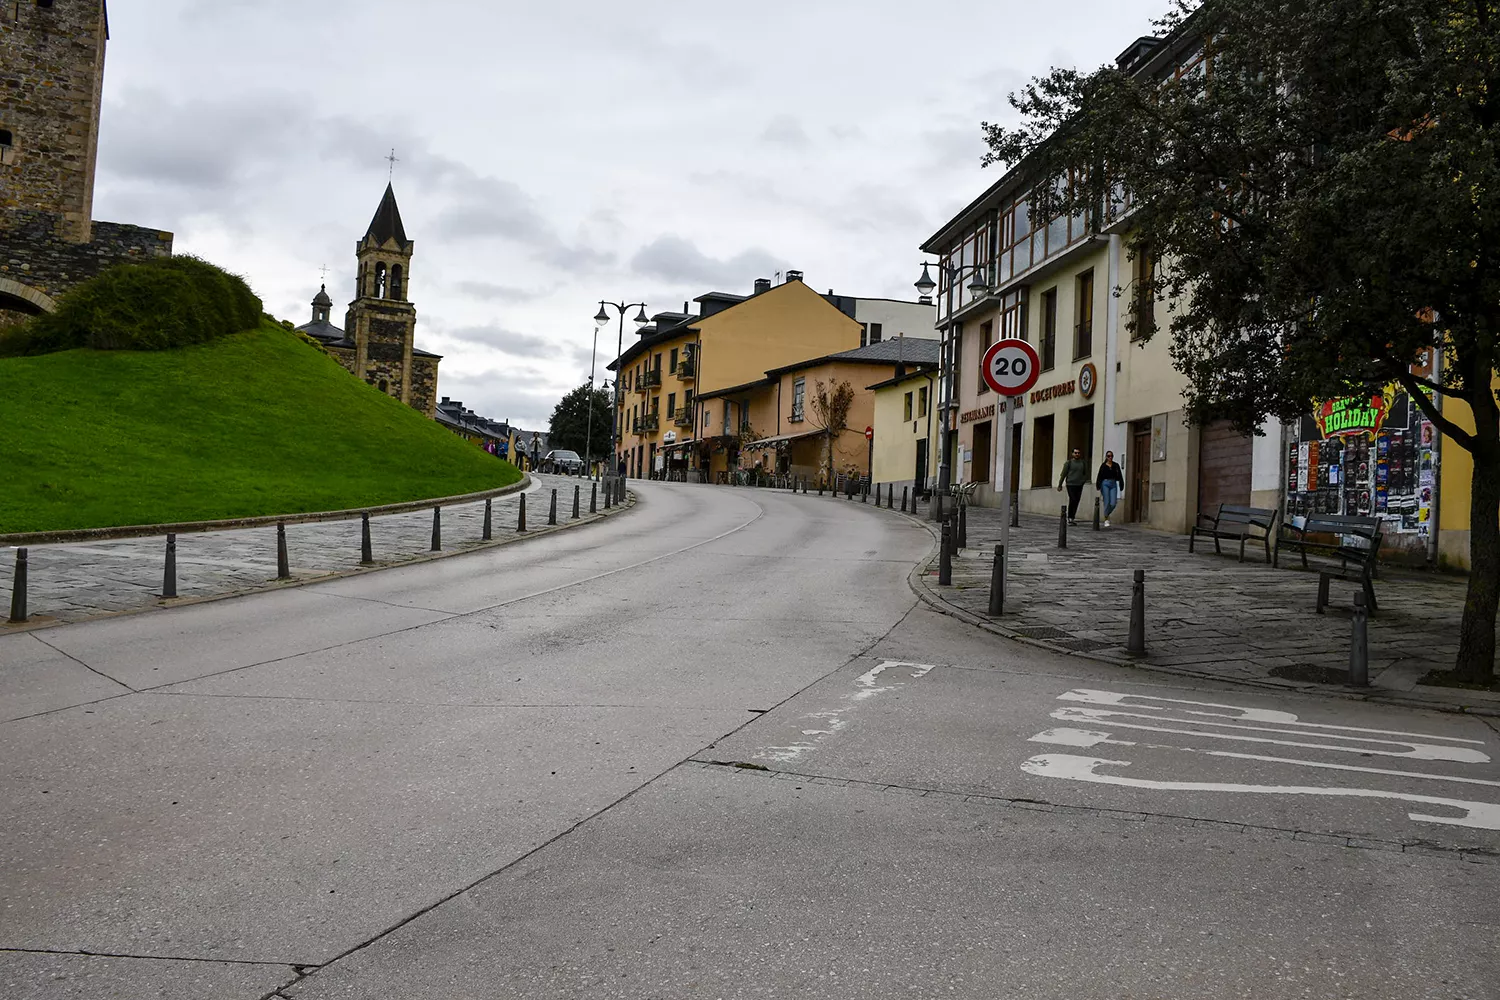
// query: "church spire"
[[387, 222]]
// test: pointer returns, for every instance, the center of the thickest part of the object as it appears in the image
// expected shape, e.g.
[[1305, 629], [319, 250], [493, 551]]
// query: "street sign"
[[869, 434], [1011, 367]]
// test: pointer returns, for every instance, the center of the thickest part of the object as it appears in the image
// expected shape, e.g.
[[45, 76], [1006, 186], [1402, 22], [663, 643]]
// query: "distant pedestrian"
[[1075, 475], [1109, 481]]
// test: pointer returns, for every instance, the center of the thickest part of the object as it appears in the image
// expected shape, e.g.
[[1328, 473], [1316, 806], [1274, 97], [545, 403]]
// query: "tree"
[[830, 403], [1323, 208], [570, 428]]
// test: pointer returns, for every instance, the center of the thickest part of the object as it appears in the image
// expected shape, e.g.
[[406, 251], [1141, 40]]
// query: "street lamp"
[[601, 320], [979, 286]]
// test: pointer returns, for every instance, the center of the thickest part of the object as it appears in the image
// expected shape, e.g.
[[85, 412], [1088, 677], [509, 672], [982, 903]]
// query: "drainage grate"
[[1313, 672], [1043, 632]]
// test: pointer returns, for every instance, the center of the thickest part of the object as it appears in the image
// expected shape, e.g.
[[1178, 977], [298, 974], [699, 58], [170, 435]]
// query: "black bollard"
[[486, 534], [997, 582], [864, 494], [945, 555], [283, 565], [890, 497], [1062, 527], [169, 571], [366, 557], [1096, 513], [18, 590], [1359, 646], [552, 511], [437, 529], [593, 498], [609, 495], [1136, 642], [820, 486], [937, 506], [521, 514], [963, 526], [903, 499], [577, 493]]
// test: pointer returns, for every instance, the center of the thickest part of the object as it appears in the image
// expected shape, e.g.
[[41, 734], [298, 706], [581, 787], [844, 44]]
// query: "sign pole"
[[1004, 479]]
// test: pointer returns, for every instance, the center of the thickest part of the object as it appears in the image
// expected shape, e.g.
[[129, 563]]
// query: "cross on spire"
[[323, 272], [391, 173]]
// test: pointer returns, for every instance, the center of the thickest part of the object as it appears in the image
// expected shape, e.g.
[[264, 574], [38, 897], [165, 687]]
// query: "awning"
[[768, 442]]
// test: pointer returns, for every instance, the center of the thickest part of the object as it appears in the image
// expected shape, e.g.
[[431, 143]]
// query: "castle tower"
[[51, 80], [381, 322]]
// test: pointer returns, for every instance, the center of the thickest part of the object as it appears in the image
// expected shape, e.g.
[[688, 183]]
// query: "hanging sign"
[[1352, 416]]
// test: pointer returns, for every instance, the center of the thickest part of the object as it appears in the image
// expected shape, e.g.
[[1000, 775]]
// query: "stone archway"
[[16, 297]]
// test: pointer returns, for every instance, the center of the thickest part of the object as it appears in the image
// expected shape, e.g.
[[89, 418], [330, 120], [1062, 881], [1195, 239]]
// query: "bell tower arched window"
[[396, 282], [380, 287]]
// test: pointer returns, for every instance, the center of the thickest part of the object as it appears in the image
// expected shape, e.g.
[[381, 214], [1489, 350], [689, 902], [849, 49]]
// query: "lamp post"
[[601, 320], [946, 402]]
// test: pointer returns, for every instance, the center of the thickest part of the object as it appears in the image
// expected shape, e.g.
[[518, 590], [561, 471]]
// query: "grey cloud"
[[784, 130], [490, 292], [678, 260], [522, 345]]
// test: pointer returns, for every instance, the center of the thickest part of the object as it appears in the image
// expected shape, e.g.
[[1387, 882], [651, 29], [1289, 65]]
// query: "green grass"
[[254, 423]]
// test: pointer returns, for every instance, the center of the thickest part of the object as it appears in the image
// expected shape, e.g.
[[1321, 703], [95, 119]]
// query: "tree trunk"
[[1476, 633]]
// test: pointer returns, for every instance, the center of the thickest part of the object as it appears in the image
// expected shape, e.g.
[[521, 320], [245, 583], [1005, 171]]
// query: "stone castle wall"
[[32, 256], [424, 379]]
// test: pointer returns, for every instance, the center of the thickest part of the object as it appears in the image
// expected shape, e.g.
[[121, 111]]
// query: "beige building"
[[905, 450]]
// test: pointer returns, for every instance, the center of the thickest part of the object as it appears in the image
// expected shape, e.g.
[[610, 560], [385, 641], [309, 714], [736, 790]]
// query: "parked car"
[[564, 461]]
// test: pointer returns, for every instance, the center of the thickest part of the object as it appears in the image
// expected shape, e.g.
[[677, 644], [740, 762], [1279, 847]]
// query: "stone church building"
[[377, 342], [51, 82]]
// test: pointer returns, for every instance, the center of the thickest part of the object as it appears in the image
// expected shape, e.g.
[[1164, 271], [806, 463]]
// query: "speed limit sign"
[[1011, 367]]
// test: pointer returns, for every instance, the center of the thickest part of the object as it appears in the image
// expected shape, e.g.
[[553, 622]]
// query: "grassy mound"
[[149, 306], [253, 423]]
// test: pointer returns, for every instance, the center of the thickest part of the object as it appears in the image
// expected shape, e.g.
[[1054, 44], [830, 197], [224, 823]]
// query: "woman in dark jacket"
[[1109, 482]]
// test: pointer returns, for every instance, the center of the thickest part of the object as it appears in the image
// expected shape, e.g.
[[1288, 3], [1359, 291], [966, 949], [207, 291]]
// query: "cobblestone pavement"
[[1206, 615], [70, 582]]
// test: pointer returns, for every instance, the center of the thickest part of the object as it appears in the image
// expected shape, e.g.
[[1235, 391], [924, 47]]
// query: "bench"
[[1237, 522], [1356, 561]]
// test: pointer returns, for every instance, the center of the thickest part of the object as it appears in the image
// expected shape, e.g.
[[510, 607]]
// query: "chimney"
[[794, 276], [445, 400], [762, 285]]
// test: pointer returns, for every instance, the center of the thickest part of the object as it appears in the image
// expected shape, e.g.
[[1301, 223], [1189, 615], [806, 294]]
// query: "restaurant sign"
[[968, 416], [1352, 416]]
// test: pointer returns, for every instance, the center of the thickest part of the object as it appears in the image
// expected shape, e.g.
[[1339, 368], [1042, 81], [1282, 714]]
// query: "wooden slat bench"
[[1237, 522], [1355, 561]]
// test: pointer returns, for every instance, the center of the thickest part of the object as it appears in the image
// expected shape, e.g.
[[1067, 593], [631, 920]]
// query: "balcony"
[[683, 417], [649, 380], [687, 369], [650, 422]]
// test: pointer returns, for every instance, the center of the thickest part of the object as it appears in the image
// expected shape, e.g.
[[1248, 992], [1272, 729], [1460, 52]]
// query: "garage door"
[[1223, 466]]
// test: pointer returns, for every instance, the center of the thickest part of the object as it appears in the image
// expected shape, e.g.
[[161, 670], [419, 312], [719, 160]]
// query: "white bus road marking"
[[1477, 815], [831, 721]]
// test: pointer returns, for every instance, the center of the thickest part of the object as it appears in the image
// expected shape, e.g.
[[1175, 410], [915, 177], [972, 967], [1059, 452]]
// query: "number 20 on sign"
[[1011, 367]]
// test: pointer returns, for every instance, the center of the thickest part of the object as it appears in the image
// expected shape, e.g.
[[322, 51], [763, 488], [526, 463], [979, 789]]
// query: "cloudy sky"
[[554, 154]]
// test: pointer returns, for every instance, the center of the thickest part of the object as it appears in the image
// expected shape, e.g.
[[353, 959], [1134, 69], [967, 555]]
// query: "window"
[[1049, 329], [6, 139], [671, 404], [396, 281], [1143, 301], [799, 398], [1083, 332], [875, 333], [906, 407], [922, 401], [380, 280], [1041, 452], [956, 348], [687, 399], [984, 450], [986, 338], [658, 362], [672, 362], [728, 406], [1013, 316]]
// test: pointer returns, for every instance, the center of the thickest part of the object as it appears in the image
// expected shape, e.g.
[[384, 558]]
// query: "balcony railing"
[[683, 418], [649, 380], [650, 422], [686, 370]]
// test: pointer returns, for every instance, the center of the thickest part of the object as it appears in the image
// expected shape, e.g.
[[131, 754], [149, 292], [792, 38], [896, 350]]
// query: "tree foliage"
[[830, 403], [570, 427], [1323, 202]]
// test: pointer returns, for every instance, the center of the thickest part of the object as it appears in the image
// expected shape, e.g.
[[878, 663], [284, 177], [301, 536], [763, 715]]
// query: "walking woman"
[[1075, 475], [1109, 482]]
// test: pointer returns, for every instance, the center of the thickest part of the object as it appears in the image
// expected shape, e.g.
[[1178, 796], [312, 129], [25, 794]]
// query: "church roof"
[[387, 222], [322, 299], [324, 331]]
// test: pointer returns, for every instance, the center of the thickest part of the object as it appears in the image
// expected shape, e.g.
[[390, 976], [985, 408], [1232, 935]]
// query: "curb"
[[934, 599], [41, 621]]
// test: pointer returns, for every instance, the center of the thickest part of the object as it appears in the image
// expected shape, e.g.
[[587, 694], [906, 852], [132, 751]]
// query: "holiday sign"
[[1352, 416]]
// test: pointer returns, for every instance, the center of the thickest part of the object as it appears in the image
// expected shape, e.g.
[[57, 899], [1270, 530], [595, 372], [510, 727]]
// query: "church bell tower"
[[380, 320]]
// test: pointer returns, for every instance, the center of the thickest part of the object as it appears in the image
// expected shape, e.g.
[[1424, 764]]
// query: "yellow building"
[[905, 446], [694, 387]]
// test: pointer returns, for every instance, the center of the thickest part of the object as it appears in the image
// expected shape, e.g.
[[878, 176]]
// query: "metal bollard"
[[18, 590], [486, 535], [864, 494], [997, 582], [609, 495], [1062, 527], [963, 526], [594, 498], [169, 571], [820, 486], [1136, 641], [437, 529], [1096, 513], [552, 510], [903, 498], [1359, 647], [366, 557], [577, 493], [945, 555], [521, 514], [890, 497], [937, 506], [283, 565]]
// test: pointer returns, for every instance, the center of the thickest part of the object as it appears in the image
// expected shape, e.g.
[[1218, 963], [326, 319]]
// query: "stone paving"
[[1206, 615], [73, 581]]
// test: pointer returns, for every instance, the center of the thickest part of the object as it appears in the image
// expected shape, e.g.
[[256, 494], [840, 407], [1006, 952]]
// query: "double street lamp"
[[601, 320], [947, 401]]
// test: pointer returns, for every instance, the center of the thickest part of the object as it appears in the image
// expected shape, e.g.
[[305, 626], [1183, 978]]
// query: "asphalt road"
[[712, 748]]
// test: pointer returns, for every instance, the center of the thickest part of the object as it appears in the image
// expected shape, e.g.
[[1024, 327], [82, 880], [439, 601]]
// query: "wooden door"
[[1223, 466], [1139, 471]]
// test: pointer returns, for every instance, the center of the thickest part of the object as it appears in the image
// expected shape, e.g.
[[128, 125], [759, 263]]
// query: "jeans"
[[1109, 493], [1075, 494]]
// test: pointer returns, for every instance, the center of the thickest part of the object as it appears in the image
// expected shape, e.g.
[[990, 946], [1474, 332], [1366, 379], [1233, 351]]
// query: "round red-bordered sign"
[[1011, 367], [869, 434]]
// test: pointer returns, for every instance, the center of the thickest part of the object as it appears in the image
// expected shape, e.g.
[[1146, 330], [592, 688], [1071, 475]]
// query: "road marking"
[[831, 721], [1477, 815]]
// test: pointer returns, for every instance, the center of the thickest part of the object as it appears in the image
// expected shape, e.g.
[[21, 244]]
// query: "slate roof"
[[387, 222], [913, 349]]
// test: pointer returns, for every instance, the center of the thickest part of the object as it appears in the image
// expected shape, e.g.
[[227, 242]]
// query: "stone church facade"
[[377, 343], [51, 82]]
